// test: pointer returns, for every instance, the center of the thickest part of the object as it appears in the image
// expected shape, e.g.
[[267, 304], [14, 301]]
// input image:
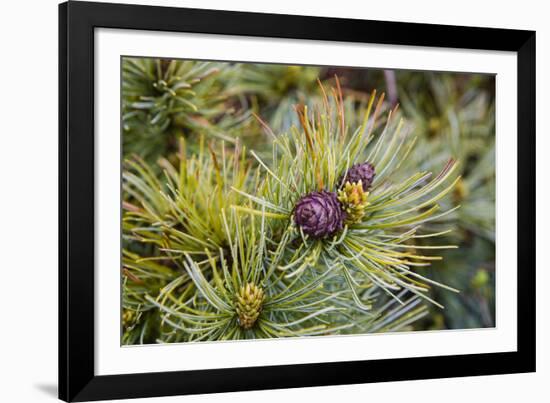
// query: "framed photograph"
[[258, 201]]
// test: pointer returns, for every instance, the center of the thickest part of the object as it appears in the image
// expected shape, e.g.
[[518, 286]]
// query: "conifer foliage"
[[266, 201]]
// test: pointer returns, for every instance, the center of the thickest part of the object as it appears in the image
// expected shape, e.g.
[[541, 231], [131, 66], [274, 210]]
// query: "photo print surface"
[[268, 201]]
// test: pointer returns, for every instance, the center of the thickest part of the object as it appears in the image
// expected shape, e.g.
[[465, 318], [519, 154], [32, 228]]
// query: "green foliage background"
[[200, 137]]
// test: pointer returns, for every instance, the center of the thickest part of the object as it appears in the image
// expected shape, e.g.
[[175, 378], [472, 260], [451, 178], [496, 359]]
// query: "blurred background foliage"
[[244, 105]]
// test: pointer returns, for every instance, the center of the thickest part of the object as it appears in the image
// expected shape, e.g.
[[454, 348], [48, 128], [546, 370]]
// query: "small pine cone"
[[359, 172], [354, 201], [249, 305], [319, 214]]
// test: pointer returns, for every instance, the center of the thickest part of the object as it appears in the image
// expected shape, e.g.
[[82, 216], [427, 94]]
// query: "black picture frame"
[[77, 21]]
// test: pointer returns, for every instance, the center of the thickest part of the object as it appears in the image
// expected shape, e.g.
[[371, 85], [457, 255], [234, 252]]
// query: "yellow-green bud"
[[128, 318], [481, 278], [460, 191], [248, 305], [354, 201]]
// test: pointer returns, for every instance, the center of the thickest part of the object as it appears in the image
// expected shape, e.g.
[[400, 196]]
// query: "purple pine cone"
[[359, 172], [319, 214]]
